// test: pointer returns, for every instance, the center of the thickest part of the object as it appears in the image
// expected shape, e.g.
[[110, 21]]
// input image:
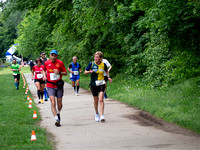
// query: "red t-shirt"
[[38, 72], [49, 67]]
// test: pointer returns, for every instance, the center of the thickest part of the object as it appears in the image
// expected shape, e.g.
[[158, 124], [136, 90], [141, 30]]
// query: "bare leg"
[[96, 104], [53, 105], [101, 94], [59, 103]]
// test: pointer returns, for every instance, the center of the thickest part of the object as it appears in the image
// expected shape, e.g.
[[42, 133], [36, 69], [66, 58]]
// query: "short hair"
[[42, 53], [38, 59], [74, 56], [99, 53]]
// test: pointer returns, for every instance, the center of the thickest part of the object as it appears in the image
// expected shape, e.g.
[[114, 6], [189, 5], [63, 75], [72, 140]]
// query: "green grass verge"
[[179, 104], [16, 119]]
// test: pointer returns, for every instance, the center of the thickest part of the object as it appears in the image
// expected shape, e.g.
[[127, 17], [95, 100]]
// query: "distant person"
[[105, 61], [44, 59], [75, 70], [97, 83], [16, 69], [39, 79], [31, 65], [54, 70]]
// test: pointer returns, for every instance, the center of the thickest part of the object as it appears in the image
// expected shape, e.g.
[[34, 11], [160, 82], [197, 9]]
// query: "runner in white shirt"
[[105, 75]]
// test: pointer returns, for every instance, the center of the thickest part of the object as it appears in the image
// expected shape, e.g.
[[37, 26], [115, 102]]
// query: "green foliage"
[[157, 40]]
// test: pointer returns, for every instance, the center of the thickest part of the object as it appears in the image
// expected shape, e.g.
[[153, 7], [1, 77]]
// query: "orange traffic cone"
[[33, 136], [28, 98], [30, 105], [34, 115], [26, 92]]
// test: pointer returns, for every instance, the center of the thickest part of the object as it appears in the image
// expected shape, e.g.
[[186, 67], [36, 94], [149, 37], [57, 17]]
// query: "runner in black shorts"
[[16, 69], [39, 79], [97, 83]]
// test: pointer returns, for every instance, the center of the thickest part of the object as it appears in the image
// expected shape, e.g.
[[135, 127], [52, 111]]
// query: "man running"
[[75, 70], [39, 79], [97, 83], [105, 61], [16, 69], [44, 59], [54, 70]]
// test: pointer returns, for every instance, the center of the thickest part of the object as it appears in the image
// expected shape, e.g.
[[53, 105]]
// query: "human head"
[[53, 55], [42, 54], [14, 61], [74, 59], [98, 56], [38, 62]]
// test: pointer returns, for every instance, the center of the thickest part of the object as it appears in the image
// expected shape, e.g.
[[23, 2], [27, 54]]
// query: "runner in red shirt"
[[39, 79], [54, 70]]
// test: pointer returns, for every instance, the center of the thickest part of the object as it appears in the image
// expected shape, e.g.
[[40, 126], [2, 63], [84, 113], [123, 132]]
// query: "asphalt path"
[[125, 127]]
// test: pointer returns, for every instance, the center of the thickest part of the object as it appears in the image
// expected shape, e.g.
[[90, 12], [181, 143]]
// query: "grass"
[[16, 119], [179, 104]]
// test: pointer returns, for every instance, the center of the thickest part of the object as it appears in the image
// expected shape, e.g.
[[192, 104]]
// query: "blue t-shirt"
[[75, 68]]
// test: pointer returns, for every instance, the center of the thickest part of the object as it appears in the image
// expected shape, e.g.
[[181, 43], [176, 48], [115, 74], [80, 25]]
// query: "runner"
[[39, 79], [105, 61], [97, 83], [54, 70], [44, 59], [75, 70], [16, 69]]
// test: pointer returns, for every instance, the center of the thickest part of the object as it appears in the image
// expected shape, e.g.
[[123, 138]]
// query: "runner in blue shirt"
[[75, 70]]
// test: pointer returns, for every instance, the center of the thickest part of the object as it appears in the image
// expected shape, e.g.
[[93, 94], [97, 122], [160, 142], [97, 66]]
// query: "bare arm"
[[87, 72], [109, 68], [70, 70], [32, 72]]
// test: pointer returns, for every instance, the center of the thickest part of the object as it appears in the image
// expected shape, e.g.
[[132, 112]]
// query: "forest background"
[[150, 42]]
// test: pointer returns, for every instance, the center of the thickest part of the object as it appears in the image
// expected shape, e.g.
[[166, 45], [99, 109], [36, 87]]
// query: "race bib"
[[54, 76], [100, 82], [39, 76], [14, 74], [75, 73]]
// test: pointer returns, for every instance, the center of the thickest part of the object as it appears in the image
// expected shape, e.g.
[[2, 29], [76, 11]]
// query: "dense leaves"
[[158, 40]]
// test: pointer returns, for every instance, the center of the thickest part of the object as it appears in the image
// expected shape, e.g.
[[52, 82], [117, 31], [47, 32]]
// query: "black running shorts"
[[17, 76], [41, 81], [97, 89]]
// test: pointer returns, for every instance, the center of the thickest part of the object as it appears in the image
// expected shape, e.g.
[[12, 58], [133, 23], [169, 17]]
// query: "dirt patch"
[[146, 119]]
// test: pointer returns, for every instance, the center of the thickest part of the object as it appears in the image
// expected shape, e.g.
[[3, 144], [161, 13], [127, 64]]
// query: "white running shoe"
[[102, 118], [97, 118], [77, 94]]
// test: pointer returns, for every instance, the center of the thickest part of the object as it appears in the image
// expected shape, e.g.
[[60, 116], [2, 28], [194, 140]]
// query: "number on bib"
[[100, 82], [39, 76], [14, 74], [75, 73], [54, 76]]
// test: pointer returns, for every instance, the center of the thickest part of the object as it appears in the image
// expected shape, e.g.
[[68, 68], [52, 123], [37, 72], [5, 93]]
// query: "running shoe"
[[97, 118], [46, 100], [42, 101], [102, 118], [59, 116], [77, 94], [57, 123], [39, 101]]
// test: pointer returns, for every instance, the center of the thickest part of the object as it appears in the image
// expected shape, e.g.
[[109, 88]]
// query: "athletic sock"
[[77, 89], [56, 117], [38, 93], [41, 94], [16, 84]]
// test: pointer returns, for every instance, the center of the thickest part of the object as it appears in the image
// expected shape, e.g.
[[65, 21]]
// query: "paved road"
[[125, 127]]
